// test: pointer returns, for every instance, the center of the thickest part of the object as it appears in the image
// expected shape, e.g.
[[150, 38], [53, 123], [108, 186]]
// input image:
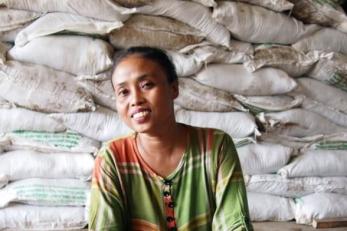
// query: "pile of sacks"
[[274, 74]]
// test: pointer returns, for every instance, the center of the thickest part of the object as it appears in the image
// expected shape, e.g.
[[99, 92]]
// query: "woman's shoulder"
[[210, 138], [121, 139], [209, 133], [119, 147]]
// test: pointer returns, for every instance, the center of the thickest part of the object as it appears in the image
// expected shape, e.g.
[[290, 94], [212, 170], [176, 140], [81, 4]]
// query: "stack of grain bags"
[[45, 168], [272, 74]]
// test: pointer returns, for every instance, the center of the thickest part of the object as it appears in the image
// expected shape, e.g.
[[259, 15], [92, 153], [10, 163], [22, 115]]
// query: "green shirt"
[[205, 192]]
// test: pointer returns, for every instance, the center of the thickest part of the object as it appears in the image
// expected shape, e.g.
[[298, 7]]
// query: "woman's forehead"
[[134, 66]]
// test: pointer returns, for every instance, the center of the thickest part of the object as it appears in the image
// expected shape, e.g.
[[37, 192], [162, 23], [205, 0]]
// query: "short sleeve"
[[107, 207], [230, 195]]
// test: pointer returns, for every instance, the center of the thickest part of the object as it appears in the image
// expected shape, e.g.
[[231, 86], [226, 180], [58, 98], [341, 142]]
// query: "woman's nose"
[[137, 98]]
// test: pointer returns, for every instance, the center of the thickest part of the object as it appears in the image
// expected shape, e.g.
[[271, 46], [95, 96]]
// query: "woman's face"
[[144, 97]]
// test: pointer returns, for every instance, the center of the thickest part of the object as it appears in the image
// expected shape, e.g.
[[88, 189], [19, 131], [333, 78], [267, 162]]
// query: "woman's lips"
[[141, 115]]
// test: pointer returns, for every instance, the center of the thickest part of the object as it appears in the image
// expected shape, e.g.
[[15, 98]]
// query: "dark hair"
[[155, 54]]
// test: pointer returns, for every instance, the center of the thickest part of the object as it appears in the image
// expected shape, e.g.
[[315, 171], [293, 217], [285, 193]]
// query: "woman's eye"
[[147, 85], [123, 92]]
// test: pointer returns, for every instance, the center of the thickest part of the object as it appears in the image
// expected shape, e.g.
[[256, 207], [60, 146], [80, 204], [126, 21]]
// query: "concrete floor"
[[289, 226]]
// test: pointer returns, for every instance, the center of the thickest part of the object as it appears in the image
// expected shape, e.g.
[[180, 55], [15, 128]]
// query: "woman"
[[166, 175]]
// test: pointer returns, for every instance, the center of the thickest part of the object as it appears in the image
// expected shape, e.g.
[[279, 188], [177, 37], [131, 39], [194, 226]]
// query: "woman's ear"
[[174, 89]]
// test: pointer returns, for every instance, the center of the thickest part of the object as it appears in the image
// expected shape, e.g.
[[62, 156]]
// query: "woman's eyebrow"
[[122, 84], [142, 77], [139, 78]]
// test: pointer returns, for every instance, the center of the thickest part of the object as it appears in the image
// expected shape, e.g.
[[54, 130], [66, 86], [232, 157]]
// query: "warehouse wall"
[[272, 74]]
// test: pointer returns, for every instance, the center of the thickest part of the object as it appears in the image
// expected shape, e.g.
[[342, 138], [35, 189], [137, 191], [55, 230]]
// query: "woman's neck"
[[165, 139], [163, 152]]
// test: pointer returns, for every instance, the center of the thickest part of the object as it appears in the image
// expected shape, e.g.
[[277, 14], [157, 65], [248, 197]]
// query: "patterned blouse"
[[205, 192]]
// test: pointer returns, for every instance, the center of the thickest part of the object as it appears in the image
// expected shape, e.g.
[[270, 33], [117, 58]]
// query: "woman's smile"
[[141, 115], [144, 94]]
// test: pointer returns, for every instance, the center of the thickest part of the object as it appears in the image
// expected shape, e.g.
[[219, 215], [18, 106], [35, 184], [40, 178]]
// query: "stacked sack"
[[262, 66], [45, 168]]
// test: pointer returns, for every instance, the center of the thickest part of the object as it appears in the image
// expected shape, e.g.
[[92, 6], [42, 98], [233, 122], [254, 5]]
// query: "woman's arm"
[[106, 210], [231, 202]]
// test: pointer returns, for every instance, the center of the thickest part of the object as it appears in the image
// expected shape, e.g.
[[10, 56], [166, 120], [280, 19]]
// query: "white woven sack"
[[27, 217], [107, 75], [264, 207], [4, 142], [206, 52], [194, 96], [11, 26], [240, 142], [42, 89], [320, 206], [259, 25], [297, 123], [3, 180], [86, 56], [185, 64], [297, 143], [331, 68], [208, 3], [4, 104], [326, 39], [14, 19], [163, 32], [286, 58], [45, 192], [275, 5], [23, 119], [4, 47], [102, 124], [295, 187], [327, 111], [322, 163], [336, 141], [23, 164], [261, 158], [101, 9], [237, 53], [10, 36], [259, 104], [325, 13], [192, 58], [51, 141], [236, 79], [133, 3], [53, 23], [102, 92], [193, 14], [236, 124], [323, 93]]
